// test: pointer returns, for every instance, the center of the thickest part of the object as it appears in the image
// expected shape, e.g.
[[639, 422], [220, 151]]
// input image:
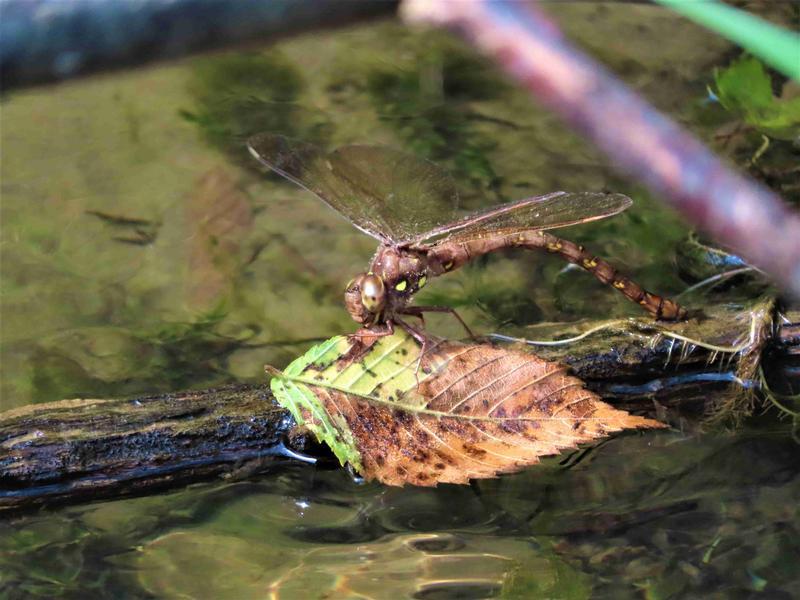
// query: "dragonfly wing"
[[386, 193], [551, 211]]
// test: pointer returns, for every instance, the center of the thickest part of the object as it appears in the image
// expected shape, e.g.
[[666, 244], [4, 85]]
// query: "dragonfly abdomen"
[[658, 306], [453, 254]]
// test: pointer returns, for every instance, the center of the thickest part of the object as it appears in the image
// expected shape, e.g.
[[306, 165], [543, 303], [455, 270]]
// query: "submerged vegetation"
[[106, 361], [142, 254], [237, 94], [429, 100]]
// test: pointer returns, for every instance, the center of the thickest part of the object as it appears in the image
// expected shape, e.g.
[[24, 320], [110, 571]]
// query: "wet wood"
[[81, 450], [76, 450], [706, 369]]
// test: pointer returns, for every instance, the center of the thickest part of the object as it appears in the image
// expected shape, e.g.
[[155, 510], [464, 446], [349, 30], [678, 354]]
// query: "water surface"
[[144, 252]]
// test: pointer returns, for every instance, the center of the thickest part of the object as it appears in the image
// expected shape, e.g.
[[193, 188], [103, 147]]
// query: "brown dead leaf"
[[218, 216], [471, 411]]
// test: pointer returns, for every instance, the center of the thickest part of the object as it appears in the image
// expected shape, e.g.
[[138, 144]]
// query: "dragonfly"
[[411, 206]]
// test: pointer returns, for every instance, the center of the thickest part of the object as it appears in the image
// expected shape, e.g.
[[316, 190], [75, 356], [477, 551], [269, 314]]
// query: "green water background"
[[143, 251]]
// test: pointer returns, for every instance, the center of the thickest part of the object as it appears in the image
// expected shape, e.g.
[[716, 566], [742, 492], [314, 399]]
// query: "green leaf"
[[379, 373], [296, 396], [745, 89], [451, 414]]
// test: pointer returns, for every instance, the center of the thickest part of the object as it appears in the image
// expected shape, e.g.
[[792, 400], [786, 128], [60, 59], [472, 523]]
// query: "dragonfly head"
[[365, 297]]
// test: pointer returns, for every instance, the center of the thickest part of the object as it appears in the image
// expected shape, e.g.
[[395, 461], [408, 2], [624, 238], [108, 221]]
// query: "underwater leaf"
[[745, 89], [469, 411], [218, 219]]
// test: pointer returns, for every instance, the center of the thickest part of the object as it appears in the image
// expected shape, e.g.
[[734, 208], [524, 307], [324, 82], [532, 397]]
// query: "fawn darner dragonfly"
[[411, 207]]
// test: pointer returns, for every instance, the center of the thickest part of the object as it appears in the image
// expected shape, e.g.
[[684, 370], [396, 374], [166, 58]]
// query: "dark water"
[[656, 516], [143, 252]]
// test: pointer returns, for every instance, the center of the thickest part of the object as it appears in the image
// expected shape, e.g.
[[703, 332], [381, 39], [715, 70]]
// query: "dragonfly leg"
[[413, 313], [421, 338], [366, 332], [418, 311]]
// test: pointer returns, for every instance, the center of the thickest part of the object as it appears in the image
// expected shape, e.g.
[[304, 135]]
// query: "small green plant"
[[745, 89]]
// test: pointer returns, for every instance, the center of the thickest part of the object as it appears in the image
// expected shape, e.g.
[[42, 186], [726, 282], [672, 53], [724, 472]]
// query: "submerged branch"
[[80, 450]]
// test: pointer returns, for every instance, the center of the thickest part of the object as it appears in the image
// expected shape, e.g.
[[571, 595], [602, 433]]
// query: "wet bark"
[[76, 450], [80, 450], [713, 357]]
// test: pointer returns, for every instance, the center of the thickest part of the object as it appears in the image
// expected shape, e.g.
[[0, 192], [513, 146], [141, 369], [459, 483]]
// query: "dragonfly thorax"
[[413, 208]]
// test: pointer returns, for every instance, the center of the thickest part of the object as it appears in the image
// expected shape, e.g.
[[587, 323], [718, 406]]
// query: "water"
[[143, 252], [656, 516]]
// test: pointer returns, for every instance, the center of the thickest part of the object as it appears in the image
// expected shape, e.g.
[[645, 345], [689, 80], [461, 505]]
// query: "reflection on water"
[[656, 514], [142, 252]]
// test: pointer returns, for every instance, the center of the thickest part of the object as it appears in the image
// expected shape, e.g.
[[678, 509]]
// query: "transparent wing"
[[387, 194], [550, 211]]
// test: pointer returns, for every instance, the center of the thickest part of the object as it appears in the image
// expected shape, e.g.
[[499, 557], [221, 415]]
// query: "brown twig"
[[738, 212]]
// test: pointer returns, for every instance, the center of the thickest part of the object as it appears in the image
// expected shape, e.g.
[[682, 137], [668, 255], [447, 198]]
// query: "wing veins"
[[469, 225], [475, 219], [297, 181]]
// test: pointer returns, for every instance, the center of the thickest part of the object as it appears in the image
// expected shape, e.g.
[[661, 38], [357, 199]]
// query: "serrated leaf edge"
[[294, 398]]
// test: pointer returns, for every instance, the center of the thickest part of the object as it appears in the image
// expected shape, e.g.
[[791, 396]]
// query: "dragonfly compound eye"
[[353, 300], [373, 293]]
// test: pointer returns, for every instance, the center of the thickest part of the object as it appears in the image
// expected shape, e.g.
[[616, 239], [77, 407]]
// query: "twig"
[[738, 212]]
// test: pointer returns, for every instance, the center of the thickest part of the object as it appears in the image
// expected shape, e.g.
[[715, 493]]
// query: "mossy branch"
[[81, 450], [75, 450]]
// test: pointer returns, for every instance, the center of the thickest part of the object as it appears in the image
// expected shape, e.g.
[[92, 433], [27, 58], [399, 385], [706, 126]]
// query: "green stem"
[[775, 46]]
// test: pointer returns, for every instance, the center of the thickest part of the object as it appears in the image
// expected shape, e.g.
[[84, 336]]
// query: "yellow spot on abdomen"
[[554, 246], [448, 265], [400, 287], [589, 263], [620, 285], [422, 281]]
